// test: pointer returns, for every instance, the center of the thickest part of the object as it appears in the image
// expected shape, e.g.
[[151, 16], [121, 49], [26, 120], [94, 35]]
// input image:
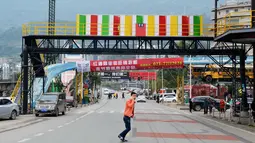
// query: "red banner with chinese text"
[[143, 75], [136, 64]]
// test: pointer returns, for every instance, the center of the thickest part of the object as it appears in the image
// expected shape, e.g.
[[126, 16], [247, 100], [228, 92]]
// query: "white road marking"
[[112, 111], [39, 134], [72, 121], [24, 140], [50, 130], [67, 123], [60, 126], [80, 112], [155, 112]]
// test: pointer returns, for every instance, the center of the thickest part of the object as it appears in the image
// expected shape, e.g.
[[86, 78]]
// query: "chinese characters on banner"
[[143, 75], [135, 64]]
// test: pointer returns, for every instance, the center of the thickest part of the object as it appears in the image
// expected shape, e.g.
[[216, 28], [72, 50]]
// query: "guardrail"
[[71, 28], [234, 21]]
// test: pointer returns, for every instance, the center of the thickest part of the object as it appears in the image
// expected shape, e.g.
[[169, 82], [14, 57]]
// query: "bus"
[[197, 71], [214, 72]]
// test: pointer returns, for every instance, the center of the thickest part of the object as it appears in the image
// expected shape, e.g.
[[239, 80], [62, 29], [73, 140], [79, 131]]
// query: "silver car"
[[8, 109], [51, 103]]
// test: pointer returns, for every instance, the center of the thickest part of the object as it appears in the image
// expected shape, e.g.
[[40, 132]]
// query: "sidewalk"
[[242, 123], [21, 121]]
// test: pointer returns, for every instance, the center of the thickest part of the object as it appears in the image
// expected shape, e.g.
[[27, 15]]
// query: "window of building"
[[236, 10], [227, 11], [219, 12]]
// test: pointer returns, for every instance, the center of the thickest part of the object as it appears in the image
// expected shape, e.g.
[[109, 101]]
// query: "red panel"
[[140, 30], [162, 25], [93, 25], [143, 75], [185, 26], [116, 25]]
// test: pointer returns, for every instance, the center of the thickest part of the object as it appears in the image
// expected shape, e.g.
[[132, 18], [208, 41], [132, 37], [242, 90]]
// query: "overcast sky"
[[17, 12]]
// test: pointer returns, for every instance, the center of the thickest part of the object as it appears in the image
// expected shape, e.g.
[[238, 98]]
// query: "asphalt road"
[[101, 123]]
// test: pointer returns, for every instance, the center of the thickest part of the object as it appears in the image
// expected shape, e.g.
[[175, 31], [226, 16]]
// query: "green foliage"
[[170, 76]]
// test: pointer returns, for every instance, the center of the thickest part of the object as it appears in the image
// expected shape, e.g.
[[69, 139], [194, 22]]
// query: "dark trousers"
[[126, 120], [205, 109]]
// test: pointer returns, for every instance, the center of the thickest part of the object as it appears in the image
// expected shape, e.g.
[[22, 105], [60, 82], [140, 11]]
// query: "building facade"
[[235, 13]]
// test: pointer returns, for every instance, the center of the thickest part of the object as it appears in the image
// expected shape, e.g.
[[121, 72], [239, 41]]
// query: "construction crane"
[[51, 58], [52, 13]]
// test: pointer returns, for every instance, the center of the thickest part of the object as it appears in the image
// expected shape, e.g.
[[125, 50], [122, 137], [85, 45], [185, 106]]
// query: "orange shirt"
[[129, 109]]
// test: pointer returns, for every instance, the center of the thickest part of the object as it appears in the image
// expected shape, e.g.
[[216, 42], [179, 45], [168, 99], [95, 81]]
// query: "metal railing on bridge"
[[71, 28], [234, 21]]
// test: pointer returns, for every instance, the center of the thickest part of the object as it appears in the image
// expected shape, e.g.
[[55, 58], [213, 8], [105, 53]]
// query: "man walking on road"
[[128, 114]]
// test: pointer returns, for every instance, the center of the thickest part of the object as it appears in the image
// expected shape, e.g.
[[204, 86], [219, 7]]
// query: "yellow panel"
[[151, 25], [77, 24], [128, 25], [201, 26], [174, 25]]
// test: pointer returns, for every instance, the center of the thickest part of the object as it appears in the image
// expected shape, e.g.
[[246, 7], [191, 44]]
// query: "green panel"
[[105, 25], [196, 25], [83, 20], [139, 19]]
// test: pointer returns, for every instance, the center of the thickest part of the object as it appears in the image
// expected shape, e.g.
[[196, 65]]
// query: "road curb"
[[21, 125]]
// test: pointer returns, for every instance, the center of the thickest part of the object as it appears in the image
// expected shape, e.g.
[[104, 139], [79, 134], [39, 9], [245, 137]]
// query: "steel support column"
[[25, 79], [243, 81], [253, 45], [234, 93], [215, 17]]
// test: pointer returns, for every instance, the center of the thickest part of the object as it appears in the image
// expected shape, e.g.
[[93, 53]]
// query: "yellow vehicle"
[[214, 72], [197, 70]]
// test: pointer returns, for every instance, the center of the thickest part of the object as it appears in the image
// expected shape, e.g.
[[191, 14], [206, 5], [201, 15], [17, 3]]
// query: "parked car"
[[106, 91], [8, 109], [170, 98], [70, 101], [141, 98], [51, 103], [239, 101], [163, 95], [198, 103]]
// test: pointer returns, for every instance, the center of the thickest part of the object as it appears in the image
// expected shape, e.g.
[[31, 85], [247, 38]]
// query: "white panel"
[[99, 24], [191, 29], [88, 23], [179, 25]]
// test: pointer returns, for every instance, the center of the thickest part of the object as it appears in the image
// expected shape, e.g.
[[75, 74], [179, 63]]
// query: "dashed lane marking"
[[50, 130], [24, 140], [39, 134], [60, 126]]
